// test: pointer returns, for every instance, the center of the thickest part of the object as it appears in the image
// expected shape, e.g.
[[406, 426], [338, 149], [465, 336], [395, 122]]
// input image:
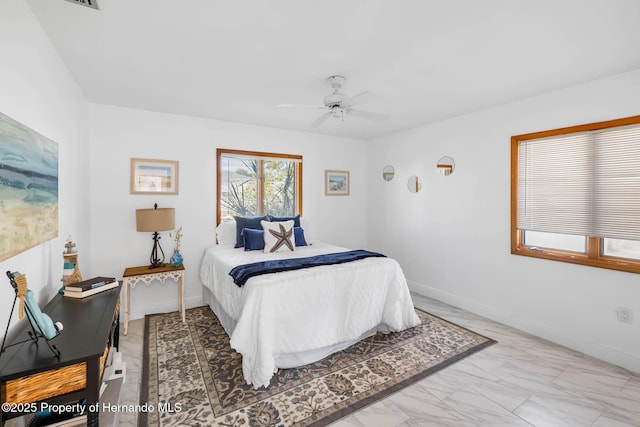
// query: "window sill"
[[577, 258]]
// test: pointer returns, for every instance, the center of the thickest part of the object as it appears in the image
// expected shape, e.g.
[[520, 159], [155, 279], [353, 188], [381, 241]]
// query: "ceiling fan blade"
[[300, 105], [320, 120], [367, 115], [360, 98]]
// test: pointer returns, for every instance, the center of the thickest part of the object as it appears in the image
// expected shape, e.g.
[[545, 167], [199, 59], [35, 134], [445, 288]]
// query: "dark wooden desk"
[[30, 373]]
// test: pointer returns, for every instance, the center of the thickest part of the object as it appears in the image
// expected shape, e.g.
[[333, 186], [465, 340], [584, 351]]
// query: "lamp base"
[[156, 262]]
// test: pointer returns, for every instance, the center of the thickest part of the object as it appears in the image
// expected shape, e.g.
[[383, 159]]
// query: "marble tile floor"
[[520, 381]]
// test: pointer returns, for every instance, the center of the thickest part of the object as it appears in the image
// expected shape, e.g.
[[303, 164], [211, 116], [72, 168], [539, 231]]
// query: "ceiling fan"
[[338, 104]]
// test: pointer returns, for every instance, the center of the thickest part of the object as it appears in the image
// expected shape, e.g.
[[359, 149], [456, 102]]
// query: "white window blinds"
[[617, 183], [582, 183], [283, 158]]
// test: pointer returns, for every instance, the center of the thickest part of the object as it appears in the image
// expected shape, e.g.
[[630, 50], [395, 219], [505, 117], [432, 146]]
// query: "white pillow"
[[226, 233], [278, 236], [304, 224]]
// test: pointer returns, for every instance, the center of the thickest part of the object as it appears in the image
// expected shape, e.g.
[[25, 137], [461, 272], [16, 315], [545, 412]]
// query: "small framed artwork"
[[149, 176], [336, 183]]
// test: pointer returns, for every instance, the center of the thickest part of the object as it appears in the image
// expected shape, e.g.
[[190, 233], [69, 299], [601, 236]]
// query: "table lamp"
[[155, 220]]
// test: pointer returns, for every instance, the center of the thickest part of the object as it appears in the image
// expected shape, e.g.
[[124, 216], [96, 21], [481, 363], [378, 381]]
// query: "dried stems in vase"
[[178, 235]]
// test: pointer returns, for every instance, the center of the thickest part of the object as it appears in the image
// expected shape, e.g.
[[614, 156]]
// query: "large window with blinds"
[[575, 194], [251, 183]]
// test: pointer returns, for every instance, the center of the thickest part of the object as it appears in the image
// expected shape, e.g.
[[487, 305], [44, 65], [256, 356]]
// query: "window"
[[575, 194], [251, 183]]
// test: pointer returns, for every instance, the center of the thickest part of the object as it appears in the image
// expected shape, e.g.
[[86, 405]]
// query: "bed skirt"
[[287, 360]]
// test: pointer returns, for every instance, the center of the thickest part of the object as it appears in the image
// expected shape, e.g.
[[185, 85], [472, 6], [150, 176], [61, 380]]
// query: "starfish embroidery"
[[284, 238]]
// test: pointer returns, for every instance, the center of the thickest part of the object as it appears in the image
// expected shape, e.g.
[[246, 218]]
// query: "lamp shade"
[[155, 219]]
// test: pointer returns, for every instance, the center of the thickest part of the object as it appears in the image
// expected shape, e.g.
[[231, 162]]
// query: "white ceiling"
[[424, 60]]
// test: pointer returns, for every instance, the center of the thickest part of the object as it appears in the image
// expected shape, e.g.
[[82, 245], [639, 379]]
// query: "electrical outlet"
[[625, 315]]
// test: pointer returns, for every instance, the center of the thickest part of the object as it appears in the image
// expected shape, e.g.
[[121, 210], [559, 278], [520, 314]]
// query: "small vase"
[[176, 258]]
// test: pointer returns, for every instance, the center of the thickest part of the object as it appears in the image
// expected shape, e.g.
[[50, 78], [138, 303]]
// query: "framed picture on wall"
[[28, 188], [150, 176], [336, 183]]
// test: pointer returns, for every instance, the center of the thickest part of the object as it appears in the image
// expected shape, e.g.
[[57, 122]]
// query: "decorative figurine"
[[71, 271]]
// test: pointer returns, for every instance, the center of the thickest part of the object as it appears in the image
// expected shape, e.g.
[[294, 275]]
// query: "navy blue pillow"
[[253, 239], [298, 234], [296, 219], [252, 222]]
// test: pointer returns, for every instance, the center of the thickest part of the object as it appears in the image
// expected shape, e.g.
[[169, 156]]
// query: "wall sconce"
[[155, 220]]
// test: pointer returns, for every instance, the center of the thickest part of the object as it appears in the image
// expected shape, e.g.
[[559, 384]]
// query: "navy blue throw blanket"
[[242, 273]]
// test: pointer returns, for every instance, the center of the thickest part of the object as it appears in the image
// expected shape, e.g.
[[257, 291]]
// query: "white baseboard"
[[532, 326], [138, 312]]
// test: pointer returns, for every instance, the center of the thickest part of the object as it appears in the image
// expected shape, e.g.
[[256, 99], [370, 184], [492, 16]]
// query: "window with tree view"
[[253, 183], [575, 194]]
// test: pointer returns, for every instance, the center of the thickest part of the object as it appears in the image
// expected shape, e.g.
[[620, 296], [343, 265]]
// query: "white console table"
[[134, 275]]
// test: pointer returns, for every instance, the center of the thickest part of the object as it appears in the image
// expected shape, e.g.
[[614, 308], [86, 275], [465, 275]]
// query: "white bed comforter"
[[301, 310]]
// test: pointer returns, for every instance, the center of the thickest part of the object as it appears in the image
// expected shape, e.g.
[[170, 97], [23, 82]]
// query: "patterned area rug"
[[191, 376]]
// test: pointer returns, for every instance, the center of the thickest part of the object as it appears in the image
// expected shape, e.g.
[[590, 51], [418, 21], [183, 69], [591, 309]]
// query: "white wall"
[[118, 134], [453, 239], [37, 90]]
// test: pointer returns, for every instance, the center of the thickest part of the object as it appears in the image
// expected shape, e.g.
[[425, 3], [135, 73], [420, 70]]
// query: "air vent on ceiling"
[[88, 3]]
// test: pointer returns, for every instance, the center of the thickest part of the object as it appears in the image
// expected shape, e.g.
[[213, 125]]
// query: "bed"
[[292, 318]]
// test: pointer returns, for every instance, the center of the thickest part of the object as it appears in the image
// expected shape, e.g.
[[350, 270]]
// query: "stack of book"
[[90, 287]]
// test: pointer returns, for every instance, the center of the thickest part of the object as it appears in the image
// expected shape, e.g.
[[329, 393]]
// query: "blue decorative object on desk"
[[176, 258]]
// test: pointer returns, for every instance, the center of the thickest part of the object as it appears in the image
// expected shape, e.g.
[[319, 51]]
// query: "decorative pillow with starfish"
[[278, 236]]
